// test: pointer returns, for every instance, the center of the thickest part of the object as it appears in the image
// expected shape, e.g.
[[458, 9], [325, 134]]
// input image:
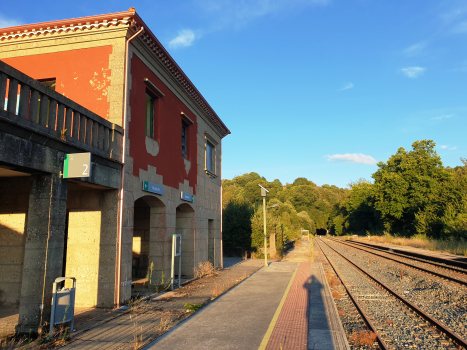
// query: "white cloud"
[[413, 72], [447, 147], [227, 14], [442, 117], [415, 49], [354, 157], [347, 86], [8, 22], [237, 13], [185, 38], [454, 14], [460, 28]]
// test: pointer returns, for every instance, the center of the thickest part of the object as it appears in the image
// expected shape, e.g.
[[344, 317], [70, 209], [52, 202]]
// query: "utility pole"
[[265, 238], [263, 194]]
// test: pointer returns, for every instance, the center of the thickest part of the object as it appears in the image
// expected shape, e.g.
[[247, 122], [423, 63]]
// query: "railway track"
[[363, 322], [451, 273], [458, 262], [395, 319]]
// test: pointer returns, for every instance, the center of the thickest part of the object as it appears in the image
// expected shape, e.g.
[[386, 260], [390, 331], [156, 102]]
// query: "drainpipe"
[[222, 241], [124, 120]]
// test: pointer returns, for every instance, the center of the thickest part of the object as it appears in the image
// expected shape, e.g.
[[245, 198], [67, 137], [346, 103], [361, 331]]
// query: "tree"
[[306, 222], [360, 211], [257, 226], [408, 183], [302, 197], [236, 222]]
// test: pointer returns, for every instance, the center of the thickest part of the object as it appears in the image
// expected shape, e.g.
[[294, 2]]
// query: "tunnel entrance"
[[321, 232]]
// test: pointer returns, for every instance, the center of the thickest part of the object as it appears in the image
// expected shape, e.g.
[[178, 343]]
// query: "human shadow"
[[320, 326]]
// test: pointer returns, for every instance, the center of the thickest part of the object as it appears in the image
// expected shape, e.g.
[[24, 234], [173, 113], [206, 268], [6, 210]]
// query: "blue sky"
[[320, 89]]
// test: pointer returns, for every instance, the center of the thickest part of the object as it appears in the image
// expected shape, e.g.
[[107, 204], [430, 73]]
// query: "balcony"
[[29, 104]]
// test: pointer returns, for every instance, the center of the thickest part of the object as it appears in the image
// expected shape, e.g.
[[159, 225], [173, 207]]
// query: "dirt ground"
[[302, 252], [145, 320]]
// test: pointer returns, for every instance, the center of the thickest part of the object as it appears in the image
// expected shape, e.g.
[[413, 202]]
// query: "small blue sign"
[[187, 197], [153, 188]]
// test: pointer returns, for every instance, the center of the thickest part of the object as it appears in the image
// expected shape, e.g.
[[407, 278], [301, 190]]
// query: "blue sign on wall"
[[153, 188], [186, 197]]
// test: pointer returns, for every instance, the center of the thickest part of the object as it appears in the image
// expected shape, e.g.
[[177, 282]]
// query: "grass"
[[11, 343], [192, 307], [218, 290], [137, 336], [451, 246]]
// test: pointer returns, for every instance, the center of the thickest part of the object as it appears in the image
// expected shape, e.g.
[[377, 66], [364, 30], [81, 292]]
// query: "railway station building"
[[105, 85]]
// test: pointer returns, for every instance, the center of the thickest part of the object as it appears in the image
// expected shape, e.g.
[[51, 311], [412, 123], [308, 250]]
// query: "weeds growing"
[[137, 336], [451, 246], [164, 324], [192, 307], [363, 337], [205, 268], [336, 295], [157, 286], [216, 292]]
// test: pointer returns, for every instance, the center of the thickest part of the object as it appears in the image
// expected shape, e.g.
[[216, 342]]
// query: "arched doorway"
[[149, 245], [185, 225]]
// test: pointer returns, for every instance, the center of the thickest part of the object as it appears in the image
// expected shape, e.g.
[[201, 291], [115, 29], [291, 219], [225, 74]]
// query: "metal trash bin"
[[63, 303]]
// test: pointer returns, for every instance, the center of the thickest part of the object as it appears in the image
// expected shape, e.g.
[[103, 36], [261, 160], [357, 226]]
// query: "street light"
[[263, 194]]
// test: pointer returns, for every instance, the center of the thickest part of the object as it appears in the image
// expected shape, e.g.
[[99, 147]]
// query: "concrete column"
[[158, 245], [211, 243], [43, 256], [108, 249]]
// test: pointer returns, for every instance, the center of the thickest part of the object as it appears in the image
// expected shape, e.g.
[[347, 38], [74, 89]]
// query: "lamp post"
[[263, 194]]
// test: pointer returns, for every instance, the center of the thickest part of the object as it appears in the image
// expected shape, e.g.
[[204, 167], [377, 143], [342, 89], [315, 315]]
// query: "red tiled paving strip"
[[291, 329]]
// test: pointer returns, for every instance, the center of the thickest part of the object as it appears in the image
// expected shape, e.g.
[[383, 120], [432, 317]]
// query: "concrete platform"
[[325, 329], [286, 305], [237, 320]]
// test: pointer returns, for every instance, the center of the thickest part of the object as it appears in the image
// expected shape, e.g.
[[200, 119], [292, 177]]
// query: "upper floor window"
[[186, 122], [149, 125], [184, 137], [153, 94], [210, 151], [210, 155]]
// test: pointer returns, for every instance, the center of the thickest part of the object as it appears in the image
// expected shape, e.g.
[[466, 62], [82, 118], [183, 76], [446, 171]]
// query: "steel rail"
[[446, 263], [457, 338], [454, 279], [357, 305]]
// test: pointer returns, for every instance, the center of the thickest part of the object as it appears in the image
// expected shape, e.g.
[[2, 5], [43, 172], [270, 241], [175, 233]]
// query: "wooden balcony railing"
[[32, 105]]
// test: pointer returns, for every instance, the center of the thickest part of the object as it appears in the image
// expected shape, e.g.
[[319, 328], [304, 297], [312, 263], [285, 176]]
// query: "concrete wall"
[[14, 197], [185, 226], [208, 196], [91, 244], [82, 254]]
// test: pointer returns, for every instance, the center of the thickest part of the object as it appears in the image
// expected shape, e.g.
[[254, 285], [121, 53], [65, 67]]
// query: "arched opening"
[[185, 226], [149, 246], [321, 232]]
